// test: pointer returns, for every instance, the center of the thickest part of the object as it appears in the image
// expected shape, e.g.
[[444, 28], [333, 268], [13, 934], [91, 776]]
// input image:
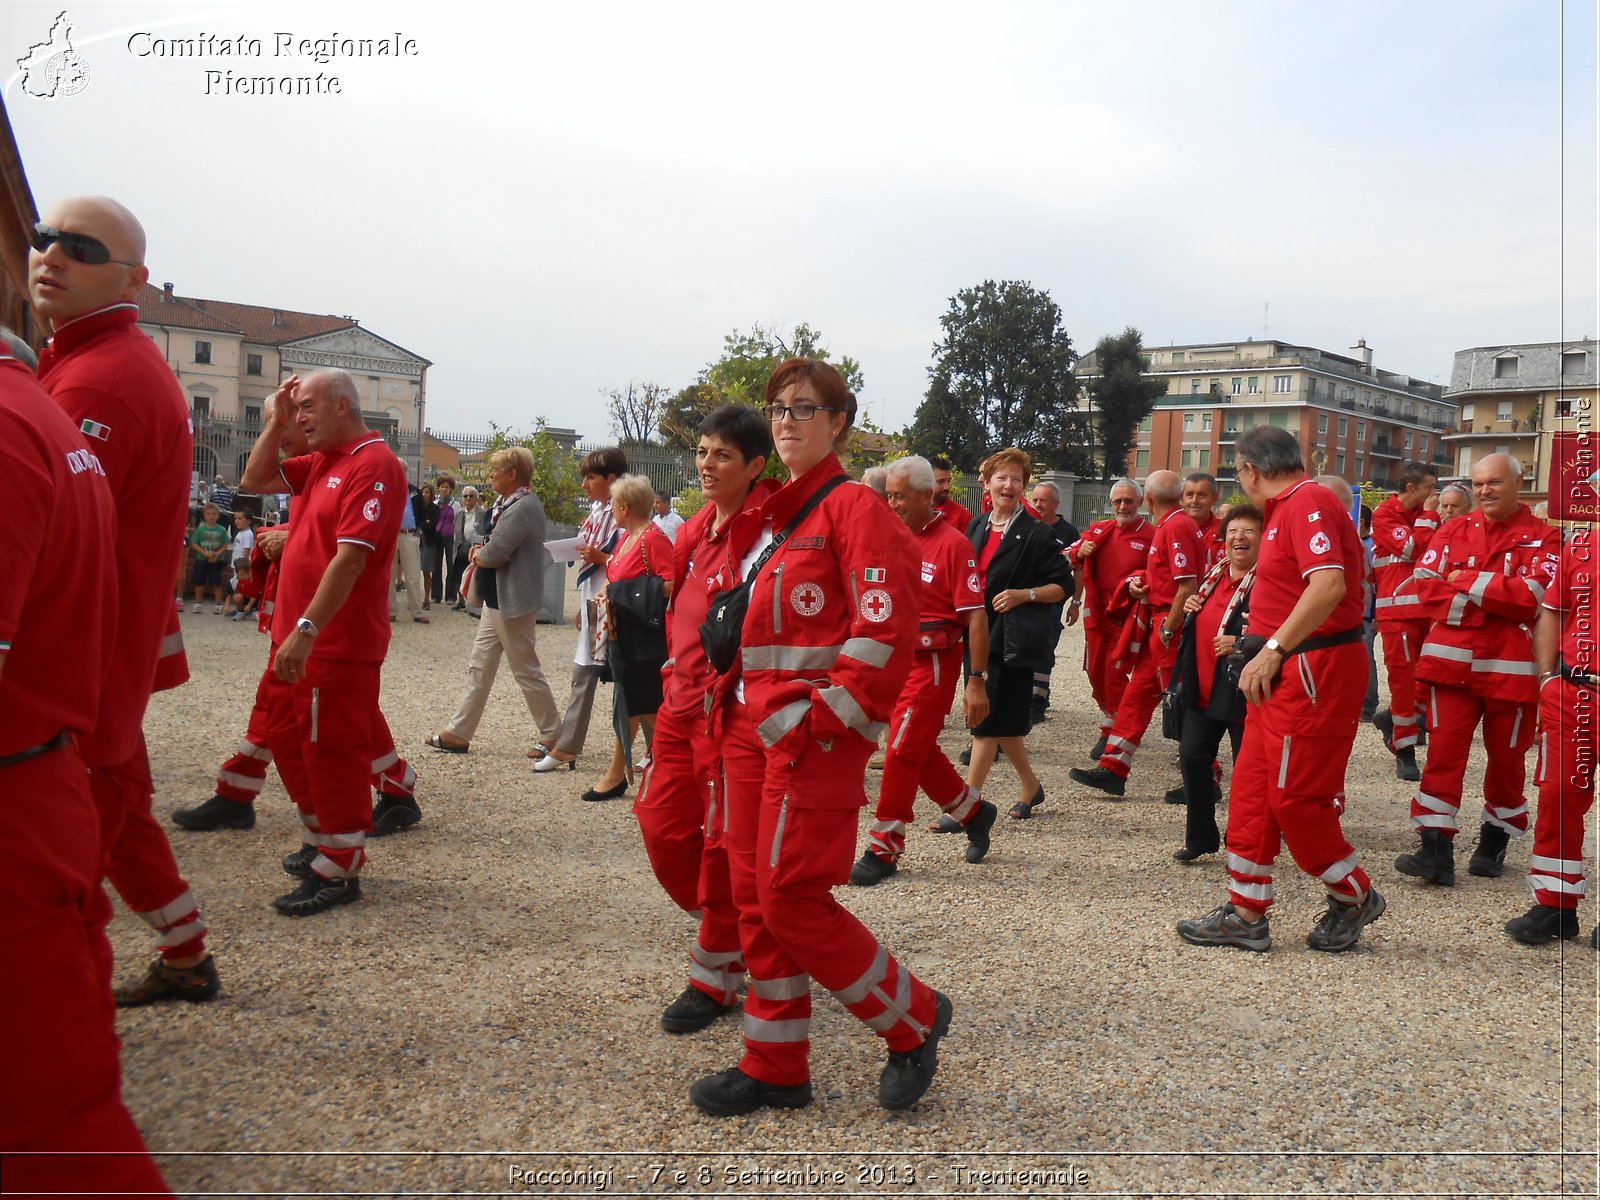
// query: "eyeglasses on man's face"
[[799, 412], [79, 247]]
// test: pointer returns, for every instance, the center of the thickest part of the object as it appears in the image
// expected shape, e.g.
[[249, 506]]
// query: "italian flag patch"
[[95, 430], [874, 574]]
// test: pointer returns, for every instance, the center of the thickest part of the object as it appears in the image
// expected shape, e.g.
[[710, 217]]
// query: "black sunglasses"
[[79, 247]]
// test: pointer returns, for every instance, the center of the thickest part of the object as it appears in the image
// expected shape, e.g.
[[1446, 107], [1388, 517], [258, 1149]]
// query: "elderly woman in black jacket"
[[1025, 577], [1202, 691]]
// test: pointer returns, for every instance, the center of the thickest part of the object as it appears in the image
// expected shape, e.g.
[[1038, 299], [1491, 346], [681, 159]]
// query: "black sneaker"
[[392, 814], [732, 1093], [299, 863], [1102, 779], [871, 870], [215, 813], [1541, 924], [1176, 796], [909, 1074], [1339, 928], [1489, 855], [965, 757], [1099, 749], [317, 894], [1405, 765], [1225, 927], [978, 830], [196, 984], [693, 1011], [1434, 860]]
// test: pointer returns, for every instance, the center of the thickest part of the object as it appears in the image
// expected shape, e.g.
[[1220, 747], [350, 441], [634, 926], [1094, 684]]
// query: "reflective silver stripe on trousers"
[[380, 765], [1339, 870], [171, 644], [784, 721], [963, 804], [777, 834], [726, 982], [180, 934], [309, 820], [1564, 866], [328, 869], [244, 783], [1516, 727], [1561, 887], [887, 827], [1244, 866], [250, 750], [905, 724], [1250, 891], [342, 841], [1433, 803], [160, 918], [790, 987], [862, 988], [316, 699], [711, 958], [873, 653], [789, 658], [757, 1030], [1283, 764], [1442, 821], [1503, 666]]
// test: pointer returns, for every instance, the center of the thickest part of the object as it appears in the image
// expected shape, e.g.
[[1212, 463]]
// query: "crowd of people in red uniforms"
[[860, 626]]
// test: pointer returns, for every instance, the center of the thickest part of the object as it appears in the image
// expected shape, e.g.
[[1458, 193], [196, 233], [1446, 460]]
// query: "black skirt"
[[1010, 691]]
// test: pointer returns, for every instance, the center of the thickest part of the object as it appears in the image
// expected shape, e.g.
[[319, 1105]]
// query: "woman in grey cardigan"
[[510, 582]]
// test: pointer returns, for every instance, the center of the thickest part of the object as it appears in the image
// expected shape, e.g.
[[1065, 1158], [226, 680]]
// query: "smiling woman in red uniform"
[[828, 639]]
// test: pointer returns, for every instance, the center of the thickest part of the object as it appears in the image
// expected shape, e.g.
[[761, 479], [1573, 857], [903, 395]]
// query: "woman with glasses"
[[1025, 576], [469, 533], [1204, 692], [596, 540], [509, 578], [827, 641]]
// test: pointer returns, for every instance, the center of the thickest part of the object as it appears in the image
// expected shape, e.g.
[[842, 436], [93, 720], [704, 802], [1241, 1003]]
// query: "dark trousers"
[[1202, 737], [458, 566]]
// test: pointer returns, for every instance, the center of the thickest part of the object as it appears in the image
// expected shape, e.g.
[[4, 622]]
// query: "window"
[[1141, 461], [1505, 367], [1339, 465], [202, 352], [1361, 431], [1280, 419], [1282, 384], [1205, 422], [1502, 449], [1311, 389], [1344, 426], [252, 364], [1196, 387], [1574, 362], [1237, 386], [252, 413], [1408, 441], [1322, 423], [1205, 460], [1360, 466], [1502, 411], [1563, 407], [200, 406], [1188, 422], [1255, 385], [1188, 459], [1177, 357], [1467, 411], [1147, 424]]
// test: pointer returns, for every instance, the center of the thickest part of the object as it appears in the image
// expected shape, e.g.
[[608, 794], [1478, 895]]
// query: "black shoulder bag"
[[723, 629]]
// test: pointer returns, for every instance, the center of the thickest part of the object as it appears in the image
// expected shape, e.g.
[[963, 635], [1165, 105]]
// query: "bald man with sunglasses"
[[84, 270]]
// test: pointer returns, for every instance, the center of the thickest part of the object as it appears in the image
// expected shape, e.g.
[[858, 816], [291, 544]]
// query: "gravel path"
[[492, 1006]]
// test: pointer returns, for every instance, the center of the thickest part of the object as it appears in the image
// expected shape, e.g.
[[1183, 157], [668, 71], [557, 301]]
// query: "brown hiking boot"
[[195, 984]]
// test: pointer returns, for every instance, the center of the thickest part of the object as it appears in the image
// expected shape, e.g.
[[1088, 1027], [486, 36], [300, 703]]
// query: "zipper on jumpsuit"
[[777, 834], [777, 599], [316, 699]]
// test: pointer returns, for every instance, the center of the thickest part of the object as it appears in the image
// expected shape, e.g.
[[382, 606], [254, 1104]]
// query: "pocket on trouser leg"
[[811, 851]]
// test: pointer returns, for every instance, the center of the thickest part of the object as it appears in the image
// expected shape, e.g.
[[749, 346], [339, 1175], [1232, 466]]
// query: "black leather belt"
[[60, 742], [1581, 678]]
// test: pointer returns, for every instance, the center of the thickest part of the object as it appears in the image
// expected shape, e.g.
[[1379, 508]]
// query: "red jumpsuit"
[[1288, 783], [822, 661], [1400, 538], [112, 382], [681, 806], [1120, 550], [952, 587], [241, 775], [63, 1081], [1477, 661], [1568, 712], [321, 729], [1175, 555]]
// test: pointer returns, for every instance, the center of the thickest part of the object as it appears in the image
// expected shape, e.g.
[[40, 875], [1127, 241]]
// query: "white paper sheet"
[[563, 549]]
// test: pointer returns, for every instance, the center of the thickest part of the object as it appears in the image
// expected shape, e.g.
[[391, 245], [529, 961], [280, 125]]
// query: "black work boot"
[[978, 831], [1405, 765], [215, 813], [1434, 860], [1541, 924], [299, 863], [1489, 855]]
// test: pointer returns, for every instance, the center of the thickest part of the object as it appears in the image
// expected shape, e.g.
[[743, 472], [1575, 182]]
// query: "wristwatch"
[[1033, 596], [1276, 647], [978, 674], [306, 626]]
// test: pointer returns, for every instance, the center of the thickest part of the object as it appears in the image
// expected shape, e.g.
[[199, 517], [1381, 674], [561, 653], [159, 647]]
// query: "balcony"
[[1384, 450], [1521, 427], [1348, 405], [1228, 436]]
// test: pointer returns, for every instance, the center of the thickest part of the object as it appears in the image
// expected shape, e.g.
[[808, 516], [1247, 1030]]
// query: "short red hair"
[[1010, 456]]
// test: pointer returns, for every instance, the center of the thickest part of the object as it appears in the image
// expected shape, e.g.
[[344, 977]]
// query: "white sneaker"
[[217, 609], [198, 607]]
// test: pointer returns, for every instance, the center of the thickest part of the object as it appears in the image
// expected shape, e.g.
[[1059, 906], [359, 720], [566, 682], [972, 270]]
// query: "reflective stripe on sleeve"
[[789, 658], [867, 650], [783, 722], [849, 711]]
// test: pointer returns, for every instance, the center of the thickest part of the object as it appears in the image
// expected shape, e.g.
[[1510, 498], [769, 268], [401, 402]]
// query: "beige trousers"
[[407, 566], [513, 637]]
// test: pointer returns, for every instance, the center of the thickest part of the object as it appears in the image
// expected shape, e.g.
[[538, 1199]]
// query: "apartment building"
[[1517, 399]]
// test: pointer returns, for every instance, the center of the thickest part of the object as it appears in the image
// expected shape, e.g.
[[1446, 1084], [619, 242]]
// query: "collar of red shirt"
[[1174, 511], [1270, 505], [79, 330], [354, 444], [938, 519], [786, 501]]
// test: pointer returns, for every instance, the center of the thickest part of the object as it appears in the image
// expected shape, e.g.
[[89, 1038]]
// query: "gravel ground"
[[492, 1006]]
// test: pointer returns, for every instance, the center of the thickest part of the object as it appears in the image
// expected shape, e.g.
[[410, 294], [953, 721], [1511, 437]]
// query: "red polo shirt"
[[1175, 555], [112, 382], [1307, 530], [351, 493], [1211, 540], [1119, 552], [58, 597], [952, 583]]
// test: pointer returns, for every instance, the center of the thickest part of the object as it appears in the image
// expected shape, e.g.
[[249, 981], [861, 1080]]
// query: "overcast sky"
[[552, 200]]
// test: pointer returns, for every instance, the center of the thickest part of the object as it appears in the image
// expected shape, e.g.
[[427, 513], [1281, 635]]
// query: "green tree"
[[556, 480], [1123, 397], [1005, 362]]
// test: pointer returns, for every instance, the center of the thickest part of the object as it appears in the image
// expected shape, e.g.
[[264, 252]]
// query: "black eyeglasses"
[[800, 412], [79, 247]]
